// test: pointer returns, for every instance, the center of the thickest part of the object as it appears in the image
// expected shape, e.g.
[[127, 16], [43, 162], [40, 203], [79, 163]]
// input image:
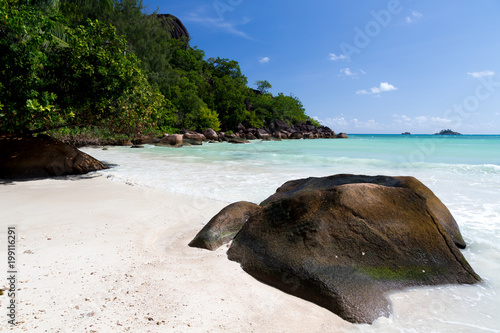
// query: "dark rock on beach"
[[25, 156], [345, 241], [225, 225]]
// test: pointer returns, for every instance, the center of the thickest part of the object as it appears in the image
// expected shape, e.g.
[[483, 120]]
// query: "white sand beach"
[[95, 255]]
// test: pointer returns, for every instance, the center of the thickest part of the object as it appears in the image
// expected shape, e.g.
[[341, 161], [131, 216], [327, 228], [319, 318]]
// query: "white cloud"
[[426, 120], [481, 74], [217, 23], [342, 124], [383, 87], [420, 121], [348, 72], [401, 118], [264, 60], [334, 122], [335, 57], [415, 15], [372, 124]]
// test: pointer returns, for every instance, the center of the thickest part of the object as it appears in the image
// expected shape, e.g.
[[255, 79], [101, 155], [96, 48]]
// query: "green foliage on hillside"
[[87, 79], [108, 64]]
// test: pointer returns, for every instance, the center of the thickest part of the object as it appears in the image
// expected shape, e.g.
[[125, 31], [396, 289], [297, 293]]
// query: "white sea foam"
[[464, 173]]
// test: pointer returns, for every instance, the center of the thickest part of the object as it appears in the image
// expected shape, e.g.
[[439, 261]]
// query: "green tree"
[[201, 119], [25, 44], [262, 110], [228, 91], [263, 86], [289, 109], [71, 8], [222, 67], [146, 37], [92, 81], [229, 102]]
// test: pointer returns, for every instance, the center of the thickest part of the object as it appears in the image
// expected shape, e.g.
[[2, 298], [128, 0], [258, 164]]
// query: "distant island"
[[447, 132]]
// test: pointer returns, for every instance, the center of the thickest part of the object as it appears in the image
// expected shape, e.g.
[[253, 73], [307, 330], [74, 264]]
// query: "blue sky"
[[374, 66]]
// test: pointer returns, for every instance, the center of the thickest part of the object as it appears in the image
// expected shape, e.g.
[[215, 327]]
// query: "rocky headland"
[[278, 130]]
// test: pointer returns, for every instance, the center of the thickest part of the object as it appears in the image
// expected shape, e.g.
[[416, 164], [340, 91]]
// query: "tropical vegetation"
[[110, 67]]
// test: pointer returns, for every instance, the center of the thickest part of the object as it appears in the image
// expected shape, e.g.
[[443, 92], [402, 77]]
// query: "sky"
[[388, 66]]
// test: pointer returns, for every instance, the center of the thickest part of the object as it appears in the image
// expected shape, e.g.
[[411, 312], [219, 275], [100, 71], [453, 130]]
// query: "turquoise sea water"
[[463, 171]]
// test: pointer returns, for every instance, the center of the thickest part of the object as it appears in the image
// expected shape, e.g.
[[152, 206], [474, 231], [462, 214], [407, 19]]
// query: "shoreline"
[[96, 255]]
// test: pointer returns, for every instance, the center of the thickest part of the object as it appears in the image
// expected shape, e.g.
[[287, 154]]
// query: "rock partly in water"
[[193, 138], [210, 134], [172, 140], [24, 156], [344, 241], [238, 140], [224, 226]]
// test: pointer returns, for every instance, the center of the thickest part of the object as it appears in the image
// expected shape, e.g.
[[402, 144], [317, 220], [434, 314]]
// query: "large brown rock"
[[210, 134], [344, 241], [225, 225], [24, 156], [193, 138], [280, 124], [435, 205], [172, 140], [262, 134]]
